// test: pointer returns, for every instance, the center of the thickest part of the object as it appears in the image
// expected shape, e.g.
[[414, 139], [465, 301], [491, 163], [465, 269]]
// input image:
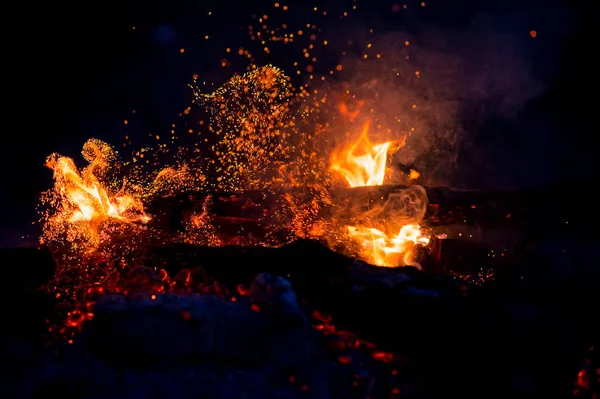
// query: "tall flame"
[[364, 164]]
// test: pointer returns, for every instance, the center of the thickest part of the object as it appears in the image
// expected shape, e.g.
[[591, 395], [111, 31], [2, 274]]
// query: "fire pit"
[[287, 253]]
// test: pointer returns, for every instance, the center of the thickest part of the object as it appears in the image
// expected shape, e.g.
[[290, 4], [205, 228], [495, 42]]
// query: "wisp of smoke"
[[438, 87]]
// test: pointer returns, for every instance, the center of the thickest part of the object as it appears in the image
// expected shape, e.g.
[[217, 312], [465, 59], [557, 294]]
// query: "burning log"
[[499, 218], [459, 206], [445, 205], [265, 217], [234, 214]]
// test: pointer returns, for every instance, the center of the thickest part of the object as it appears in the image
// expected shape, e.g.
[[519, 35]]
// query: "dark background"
[[78, 70]]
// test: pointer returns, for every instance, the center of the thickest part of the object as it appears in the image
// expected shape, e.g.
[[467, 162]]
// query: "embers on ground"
[[141, 333], [267, 323]]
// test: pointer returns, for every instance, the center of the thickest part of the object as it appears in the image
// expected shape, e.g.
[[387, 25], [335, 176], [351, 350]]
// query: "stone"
[[170, 327], [275, 293]]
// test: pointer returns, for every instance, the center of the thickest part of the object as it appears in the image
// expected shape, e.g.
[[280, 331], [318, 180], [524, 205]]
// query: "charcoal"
[[493, 218]]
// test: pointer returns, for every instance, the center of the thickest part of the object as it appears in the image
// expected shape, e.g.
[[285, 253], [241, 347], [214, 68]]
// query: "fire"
[[261, 143], [364, 164], [89, 200], [82, 203], [382, 249]]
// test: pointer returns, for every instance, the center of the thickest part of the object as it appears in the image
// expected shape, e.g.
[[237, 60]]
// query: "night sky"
[[78, 70]]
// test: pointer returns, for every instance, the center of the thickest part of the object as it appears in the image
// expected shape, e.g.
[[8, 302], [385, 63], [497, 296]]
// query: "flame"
[[381, 249], [89, 199], [365, 169], [82, 202], [261, 144], [364, 164]]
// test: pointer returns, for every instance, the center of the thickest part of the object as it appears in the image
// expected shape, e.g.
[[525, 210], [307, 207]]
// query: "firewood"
[[250, 210]]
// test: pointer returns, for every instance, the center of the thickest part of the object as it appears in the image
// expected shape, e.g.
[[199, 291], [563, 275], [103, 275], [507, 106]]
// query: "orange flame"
[[84, 203], [381, 249], [89, 200], [366, 169], [364, 164]]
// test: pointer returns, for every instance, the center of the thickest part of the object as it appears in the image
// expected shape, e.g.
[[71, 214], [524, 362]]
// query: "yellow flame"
[[363, 164], [85, 203], [89, 200], [382, 249]]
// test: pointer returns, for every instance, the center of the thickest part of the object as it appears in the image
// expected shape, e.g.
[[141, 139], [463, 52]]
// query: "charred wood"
[[500, 220]]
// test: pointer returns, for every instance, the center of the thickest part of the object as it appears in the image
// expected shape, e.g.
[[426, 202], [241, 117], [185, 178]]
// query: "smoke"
[[394, 209], [439, 87], [461, 88]]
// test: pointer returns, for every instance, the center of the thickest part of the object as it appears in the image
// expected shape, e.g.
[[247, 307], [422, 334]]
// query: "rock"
[[276, 294], [173, 327]]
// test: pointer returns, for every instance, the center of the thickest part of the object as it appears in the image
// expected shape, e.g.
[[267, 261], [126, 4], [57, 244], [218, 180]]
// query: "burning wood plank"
[[495, 223], [252, 211]]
